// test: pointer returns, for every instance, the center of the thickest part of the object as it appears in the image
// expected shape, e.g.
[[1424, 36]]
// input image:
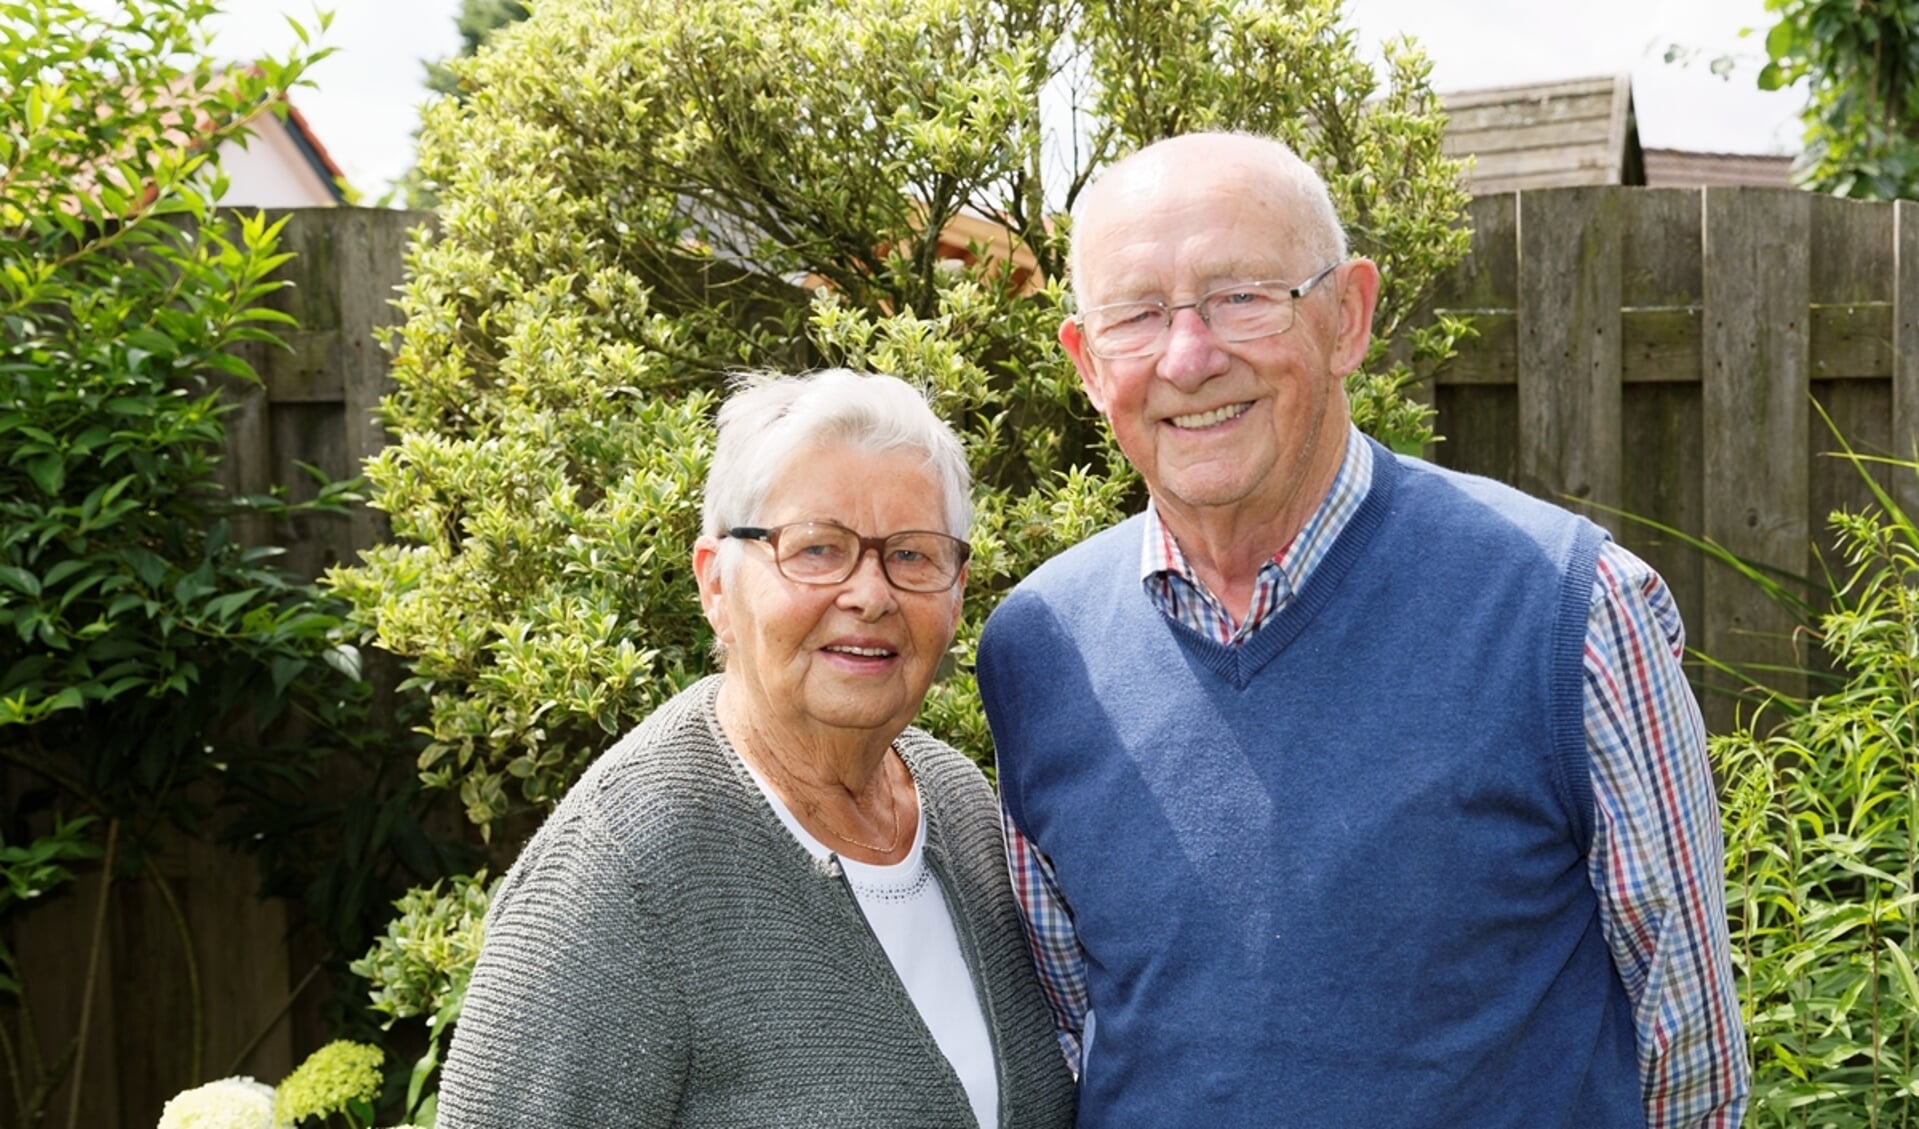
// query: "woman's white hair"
[[770, 418]]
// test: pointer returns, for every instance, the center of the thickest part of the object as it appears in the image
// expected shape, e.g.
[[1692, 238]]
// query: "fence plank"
[[371, 265], [1854, 277], [1755, 382], [1660, 416], [1905, 371], [1569, 345]]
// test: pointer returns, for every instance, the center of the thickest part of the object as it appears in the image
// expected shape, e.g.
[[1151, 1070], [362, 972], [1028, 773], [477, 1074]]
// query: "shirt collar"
[[1160, 552]]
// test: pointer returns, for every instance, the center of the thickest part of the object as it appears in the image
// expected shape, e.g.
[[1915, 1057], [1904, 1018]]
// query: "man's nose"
[[1193, 353]]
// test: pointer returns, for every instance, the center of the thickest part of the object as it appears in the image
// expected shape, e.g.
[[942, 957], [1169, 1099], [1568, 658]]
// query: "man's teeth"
[[863, 652], [1208, 419]]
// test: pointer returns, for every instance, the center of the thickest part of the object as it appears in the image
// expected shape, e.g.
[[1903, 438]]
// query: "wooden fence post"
[[1569, 346], [1905, 359], [1755, 366], [371, 267]]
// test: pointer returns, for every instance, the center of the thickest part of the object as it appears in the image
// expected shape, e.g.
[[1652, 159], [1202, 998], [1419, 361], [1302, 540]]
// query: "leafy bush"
[[640, 195], [1860, 64], [131, 622], [1822, 830], [152, 666], [420, 967], [140, 644]]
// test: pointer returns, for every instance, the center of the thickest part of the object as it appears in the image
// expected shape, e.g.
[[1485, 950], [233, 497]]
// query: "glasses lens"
[[923, 562], [1244, 312], [816, 552], [1129, 329]]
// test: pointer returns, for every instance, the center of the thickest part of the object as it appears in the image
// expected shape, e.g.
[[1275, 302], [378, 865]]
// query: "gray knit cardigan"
[[665, 954]]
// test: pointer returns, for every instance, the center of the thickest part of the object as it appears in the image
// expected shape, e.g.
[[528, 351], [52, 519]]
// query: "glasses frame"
[[1198, 306], [771, 535]]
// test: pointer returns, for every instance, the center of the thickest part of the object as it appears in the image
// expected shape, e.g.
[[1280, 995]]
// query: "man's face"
[[1250, 429]]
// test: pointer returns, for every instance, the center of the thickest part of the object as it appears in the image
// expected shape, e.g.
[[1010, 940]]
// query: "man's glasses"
[[825, 552], [1243, 311]]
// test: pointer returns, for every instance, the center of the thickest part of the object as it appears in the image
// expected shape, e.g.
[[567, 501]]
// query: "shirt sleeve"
[[1057, 954], [1657, 858]]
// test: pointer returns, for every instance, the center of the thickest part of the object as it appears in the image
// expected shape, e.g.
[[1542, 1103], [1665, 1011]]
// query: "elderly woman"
[[774, 902]]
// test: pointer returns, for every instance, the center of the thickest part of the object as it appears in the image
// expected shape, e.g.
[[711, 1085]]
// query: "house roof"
[[1546, 135], [1677, 168], [315, 154]]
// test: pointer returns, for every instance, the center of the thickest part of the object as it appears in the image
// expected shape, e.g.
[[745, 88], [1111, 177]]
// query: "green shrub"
[[641, 195], [154, 670], [420, 967], [1822, 837], [1857, 63]]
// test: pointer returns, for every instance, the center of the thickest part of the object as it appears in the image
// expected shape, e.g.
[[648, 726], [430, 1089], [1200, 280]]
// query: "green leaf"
[[61, 571], [285, 669], [153, 341], [149, 566], [20, 580], [223, 607], [49, 472], [68, 698], [1902, 966], [344, 658]]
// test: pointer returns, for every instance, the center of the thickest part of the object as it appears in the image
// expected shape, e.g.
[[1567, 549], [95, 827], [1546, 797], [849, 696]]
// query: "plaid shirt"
[[1657, 853]]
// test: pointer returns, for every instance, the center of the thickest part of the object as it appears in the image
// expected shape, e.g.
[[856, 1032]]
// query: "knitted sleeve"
[[573, 1018]]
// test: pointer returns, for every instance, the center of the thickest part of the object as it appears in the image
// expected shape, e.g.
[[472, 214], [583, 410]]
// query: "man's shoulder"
[[1110, 553], [1088, 571], [1065, 589], [1475, 506]]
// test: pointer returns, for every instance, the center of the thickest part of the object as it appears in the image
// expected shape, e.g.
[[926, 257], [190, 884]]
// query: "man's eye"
[[1132, 317], [1241, 298]]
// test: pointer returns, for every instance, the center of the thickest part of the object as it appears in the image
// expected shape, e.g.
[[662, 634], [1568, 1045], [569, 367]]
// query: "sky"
[[364, 106]]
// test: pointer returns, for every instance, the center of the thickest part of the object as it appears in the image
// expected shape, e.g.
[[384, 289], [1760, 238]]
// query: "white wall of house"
[[271, 172]]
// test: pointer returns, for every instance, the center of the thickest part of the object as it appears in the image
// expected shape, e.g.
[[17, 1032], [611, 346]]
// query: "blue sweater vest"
[[1336, 876]]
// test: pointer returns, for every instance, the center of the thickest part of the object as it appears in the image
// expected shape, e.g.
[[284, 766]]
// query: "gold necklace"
[[891, 842], [813, 807]]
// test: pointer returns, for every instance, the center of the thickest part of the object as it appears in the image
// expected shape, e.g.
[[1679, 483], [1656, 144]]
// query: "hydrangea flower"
[[331, 1079], [230, 1103]]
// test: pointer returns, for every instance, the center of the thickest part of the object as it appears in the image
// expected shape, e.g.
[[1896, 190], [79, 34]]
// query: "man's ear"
[[1074, 341], [706, 572], [1357, 290]]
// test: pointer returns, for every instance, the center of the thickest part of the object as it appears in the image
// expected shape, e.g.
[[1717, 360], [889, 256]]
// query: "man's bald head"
[[1254, 159]]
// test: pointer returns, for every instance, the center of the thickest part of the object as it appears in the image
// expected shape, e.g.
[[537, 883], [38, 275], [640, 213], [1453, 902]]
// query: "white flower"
[[230, 1103]]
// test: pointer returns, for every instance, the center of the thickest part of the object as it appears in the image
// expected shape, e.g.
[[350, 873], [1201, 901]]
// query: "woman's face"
[[832, 661]]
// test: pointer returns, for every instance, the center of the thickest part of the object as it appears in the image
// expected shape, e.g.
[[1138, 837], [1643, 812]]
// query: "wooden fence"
[[1660, 351], [1657, 351]]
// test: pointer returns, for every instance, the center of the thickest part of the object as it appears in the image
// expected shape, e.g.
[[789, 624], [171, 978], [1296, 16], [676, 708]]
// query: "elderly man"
[[1341, 790]]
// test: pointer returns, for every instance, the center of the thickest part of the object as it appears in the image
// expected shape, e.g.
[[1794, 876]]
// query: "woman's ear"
[[707, 572]]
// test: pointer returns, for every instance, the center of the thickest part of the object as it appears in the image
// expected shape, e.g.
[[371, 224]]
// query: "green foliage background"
[[640, 196], [1821, 814], [160, 680], [144, 652], [1860, 62]]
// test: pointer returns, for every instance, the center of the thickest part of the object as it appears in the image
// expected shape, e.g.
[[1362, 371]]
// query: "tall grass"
[[1821, 813]]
